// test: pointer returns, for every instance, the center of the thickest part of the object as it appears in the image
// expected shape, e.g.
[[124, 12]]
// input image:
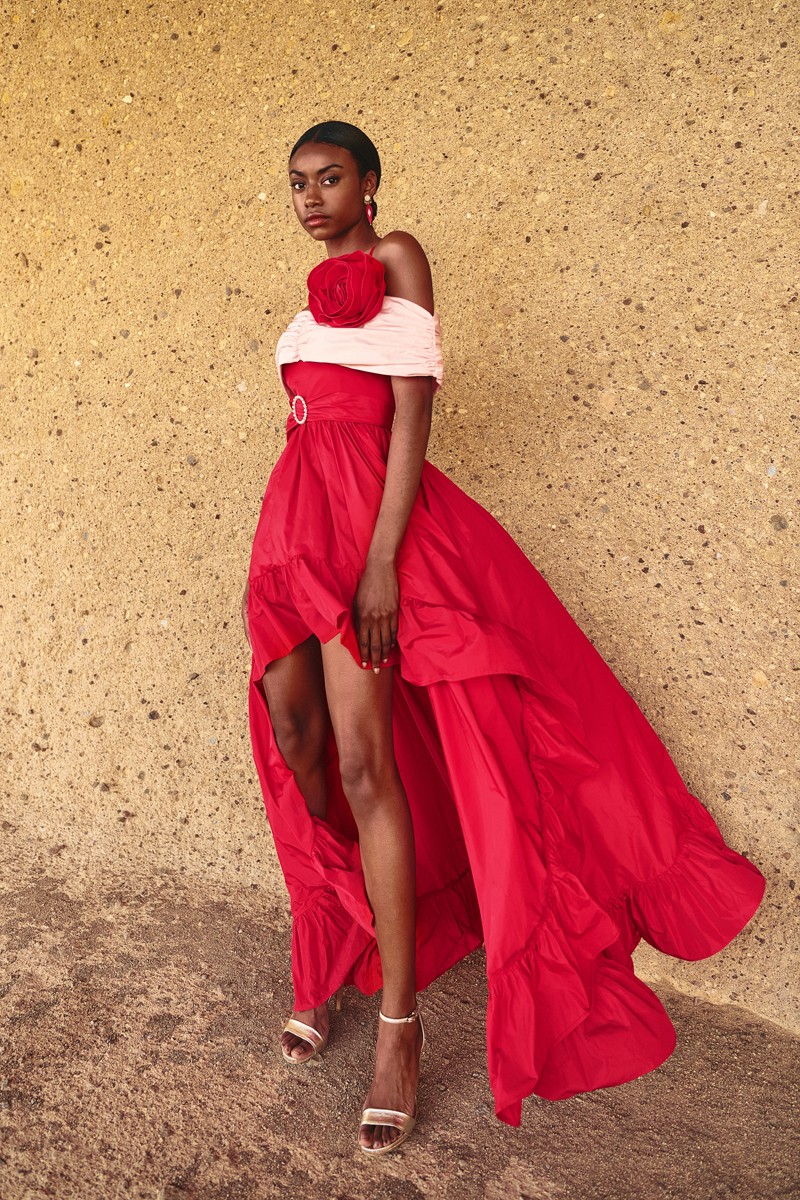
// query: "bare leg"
[[294, 688], [295, 692], [360, 702]]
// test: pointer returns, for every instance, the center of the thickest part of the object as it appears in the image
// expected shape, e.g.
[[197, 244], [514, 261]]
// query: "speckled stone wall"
[[608, 196]]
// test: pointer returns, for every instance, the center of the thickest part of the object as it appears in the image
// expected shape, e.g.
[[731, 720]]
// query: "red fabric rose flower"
[[346, 290]]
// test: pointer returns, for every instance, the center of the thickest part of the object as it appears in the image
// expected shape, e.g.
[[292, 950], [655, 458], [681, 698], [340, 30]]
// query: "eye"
[[296, 183], [331, 179]]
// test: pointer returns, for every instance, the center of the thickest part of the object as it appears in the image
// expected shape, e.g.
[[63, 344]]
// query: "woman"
[[446, 760]]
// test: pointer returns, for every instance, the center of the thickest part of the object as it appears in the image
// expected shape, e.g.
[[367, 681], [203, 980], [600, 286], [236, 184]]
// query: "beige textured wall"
[[607, 194]]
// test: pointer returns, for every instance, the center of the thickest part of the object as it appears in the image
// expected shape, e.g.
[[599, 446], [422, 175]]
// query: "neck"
[[354, 239]]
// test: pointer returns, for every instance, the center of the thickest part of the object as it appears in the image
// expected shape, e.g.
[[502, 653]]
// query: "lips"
[[316, 219]]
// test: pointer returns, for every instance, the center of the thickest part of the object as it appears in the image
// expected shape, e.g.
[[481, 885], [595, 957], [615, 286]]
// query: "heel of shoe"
[[338, 996]]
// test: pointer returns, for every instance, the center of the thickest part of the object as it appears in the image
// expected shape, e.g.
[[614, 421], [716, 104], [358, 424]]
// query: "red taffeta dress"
[[550, 822]]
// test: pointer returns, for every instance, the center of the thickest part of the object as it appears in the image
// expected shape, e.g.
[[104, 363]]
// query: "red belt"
[[341, 406]]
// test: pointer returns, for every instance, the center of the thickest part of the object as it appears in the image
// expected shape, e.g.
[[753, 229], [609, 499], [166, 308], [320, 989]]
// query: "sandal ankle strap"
[[399, 1020]]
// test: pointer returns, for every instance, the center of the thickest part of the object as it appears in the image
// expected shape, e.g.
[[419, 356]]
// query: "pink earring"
[[370, 210]]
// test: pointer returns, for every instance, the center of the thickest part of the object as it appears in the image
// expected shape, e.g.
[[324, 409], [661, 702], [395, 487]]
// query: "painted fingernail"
[[385, 659], [363, 664], [377, 670]]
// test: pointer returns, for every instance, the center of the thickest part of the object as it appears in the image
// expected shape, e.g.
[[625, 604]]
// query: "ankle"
[[397, 1013]]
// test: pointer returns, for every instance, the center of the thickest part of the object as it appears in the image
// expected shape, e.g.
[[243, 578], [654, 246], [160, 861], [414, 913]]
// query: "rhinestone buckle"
[[303, 419]]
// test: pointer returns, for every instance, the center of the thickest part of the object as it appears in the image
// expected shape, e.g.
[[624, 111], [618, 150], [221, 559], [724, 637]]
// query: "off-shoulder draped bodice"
[[402, 339]]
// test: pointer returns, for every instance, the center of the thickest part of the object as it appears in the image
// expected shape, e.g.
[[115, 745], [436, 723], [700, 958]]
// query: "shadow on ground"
[[140, 1059]]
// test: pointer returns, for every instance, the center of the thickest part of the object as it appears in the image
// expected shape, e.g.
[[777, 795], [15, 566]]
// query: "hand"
[[245, 620], [375, 612]]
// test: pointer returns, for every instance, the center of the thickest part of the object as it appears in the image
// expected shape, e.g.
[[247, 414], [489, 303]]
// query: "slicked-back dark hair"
[[349, 137]]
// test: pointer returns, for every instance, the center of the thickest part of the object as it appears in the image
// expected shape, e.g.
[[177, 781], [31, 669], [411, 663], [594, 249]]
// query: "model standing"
[[446, 760]]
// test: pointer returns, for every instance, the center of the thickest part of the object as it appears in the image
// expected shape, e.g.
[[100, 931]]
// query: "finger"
[[363, 644], [393, 634], [386, 640], [375, 644], [359, 628]]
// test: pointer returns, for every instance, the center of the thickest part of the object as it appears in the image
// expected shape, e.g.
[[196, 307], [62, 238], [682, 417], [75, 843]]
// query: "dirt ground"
[[139, 1023]]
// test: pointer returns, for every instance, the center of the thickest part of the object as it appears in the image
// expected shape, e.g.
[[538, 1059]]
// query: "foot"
[[319, 1019], [394, 1082]]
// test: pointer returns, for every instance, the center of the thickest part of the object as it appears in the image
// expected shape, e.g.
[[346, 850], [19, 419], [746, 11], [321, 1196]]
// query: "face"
[[326, 186]]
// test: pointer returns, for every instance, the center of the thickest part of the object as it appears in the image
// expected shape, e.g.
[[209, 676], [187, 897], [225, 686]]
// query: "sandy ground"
[[139, 1025]]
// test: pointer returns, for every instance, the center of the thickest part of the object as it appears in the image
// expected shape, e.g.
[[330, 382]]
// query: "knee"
[[301, 739], [367, 777]]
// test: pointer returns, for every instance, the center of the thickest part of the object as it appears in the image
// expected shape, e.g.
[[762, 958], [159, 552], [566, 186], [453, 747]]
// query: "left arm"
[[377, 601]]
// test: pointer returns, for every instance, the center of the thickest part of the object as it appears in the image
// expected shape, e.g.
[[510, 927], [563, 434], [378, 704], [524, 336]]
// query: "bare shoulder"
[[408, 273]]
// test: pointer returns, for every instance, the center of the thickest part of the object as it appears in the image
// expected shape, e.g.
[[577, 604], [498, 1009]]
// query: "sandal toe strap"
[[307, 1032], [388, 1116]]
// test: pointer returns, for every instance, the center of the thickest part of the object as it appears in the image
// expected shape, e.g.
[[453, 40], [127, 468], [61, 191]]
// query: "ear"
[[369, 183]]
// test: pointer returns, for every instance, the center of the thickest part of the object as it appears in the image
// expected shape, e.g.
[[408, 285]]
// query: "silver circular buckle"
[[299, 420]]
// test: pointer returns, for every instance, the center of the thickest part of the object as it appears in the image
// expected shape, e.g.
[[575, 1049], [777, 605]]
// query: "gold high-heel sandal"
[[308, 1033], [405, 1122]]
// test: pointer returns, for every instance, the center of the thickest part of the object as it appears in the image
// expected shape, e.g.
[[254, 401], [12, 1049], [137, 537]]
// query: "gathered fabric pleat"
[[550, 823]]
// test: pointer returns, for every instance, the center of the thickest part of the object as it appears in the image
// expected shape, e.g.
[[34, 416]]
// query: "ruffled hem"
[[286, 601], [700, 903], [321, 602], [568, 1014]]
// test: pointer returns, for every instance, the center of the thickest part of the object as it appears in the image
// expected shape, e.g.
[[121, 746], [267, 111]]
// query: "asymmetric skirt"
[[550, 822]]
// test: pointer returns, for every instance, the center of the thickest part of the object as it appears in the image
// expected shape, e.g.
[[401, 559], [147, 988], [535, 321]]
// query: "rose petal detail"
[[347, 290]]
